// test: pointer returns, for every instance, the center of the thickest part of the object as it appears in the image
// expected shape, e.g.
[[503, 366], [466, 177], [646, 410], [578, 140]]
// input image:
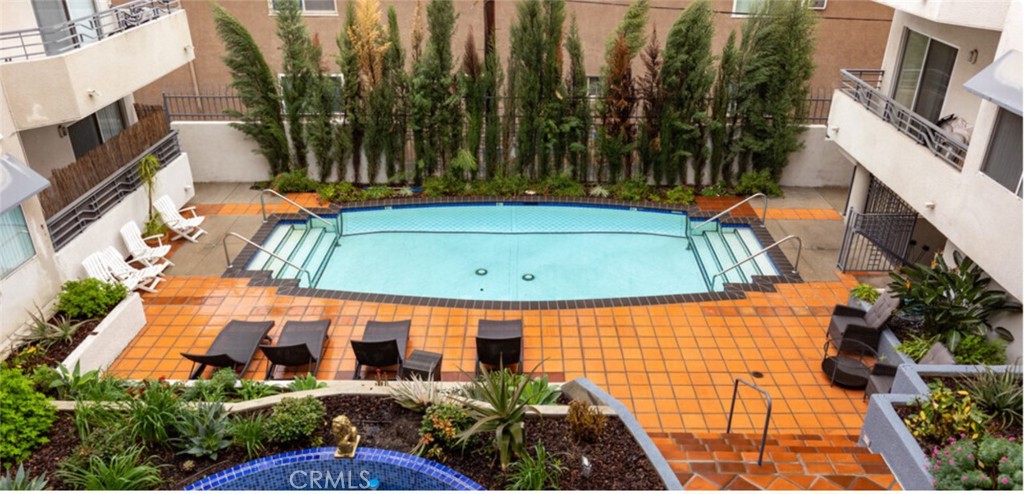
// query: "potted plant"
[[863, 296], [154, 226]]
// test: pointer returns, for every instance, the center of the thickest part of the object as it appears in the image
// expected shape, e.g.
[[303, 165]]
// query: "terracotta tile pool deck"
[[673, 365]]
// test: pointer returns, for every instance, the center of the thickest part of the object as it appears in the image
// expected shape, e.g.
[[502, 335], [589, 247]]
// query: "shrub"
[[865, 292], [753, 182], [293, 419], [154, 413], [21, 481], [586, 422], [406, 191], [326, 193], [442, 423], [916, 346], [379, 192], [293, 182], [944, 414], [978, 349], [203, 431], [598, 191], [562, 186], [121, 472], [447, 185], [95, 420], [954, 302], [681, 195], [25, 417], [249, 433], [993, 463], [536, 472], [503, 412], [251, 390], [44, 333], [716, 190], [504, 186], [999, 395], [305, 383], [74, 385], [635, 189], [416, 394], [89, 298], [217, 388]]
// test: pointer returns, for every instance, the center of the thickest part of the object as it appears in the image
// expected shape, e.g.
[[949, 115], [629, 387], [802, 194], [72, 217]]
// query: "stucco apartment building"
[[851, 33]]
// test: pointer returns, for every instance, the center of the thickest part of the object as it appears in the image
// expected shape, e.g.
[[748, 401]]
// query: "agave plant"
[[21, 481], [45, 333], [954, 302], [416, 394], [500, 408]]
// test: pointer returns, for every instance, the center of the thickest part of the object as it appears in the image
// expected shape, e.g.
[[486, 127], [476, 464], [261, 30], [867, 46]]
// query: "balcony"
[[863, 87], [62, 73], [992, 15]]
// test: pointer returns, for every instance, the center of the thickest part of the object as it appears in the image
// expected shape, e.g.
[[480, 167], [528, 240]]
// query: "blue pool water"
[[511, 252], [317, 469]]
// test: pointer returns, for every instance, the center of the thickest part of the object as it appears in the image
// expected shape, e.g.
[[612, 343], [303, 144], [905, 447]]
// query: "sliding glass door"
[[923, 75]]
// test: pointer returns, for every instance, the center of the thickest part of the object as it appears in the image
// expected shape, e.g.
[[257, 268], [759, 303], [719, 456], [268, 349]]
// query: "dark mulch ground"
[[905, 326], [52, 355], [618, 462]]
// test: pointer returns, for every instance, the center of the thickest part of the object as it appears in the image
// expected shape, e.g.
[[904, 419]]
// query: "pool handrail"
[[263, 209], [799, 249], [764, 213], [227, 258]]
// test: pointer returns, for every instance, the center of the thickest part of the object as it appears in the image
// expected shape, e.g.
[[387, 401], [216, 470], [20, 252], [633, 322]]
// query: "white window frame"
[[302, 8], [814, 5], [594, 86], [31, 243], [1019, 190]]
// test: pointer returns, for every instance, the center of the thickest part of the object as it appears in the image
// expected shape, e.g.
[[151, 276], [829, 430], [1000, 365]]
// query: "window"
[[1004, 160], [89, 132], [923, 75], [746, 7], [15, 242], [312, 6], [593, 86]]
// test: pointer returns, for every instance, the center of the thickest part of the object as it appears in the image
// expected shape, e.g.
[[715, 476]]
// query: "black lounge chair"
[[300, 343], [234, 347], [499, 344], [383, 345], [852, 324]]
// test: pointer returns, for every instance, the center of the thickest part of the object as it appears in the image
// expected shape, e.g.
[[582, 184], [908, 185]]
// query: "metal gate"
[[879, 238]]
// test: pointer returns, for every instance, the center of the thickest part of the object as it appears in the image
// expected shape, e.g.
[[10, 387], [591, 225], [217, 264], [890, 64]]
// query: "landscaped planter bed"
[[618, 462]]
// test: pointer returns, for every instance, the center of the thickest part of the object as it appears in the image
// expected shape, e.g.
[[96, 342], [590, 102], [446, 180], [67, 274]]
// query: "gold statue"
[[346, 436]]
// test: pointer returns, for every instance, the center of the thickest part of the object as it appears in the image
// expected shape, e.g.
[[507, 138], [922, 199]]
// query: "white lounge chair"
[[138, 249], [96, 267], [121, 269], [187, 228]]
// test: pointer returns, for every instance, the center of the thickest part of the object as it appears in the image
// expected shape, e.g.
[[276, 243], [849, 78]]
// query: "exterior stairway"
[[719, 461]]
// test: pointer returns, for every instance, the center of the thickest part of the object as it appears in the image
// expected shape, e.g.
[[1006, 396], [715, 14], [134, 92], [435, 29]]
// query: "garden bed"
[[32, 356], [618, 462]]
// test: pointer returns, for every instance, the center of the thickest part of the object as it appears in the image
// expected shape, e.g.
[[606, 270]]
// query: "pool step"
[[720, 247]]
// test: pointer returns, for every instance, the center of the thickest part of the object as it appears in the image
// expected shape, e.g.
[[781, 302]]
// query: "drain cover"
[[757, 374], [528, 277], [481, 272]]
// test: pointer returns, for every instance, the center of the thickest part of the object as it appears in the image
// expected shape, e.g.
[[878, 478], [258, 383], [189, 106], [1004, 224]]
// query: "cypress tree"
[[552, 148], [351, 135], [299, 71], [472, 90], [252, 79], [396, 87], [435, 110], [617, 131], [723, 123], [652, 101], [632, 27], [491, 81], [369, 42], [578, 107], [778, 49], [320, 104], [686, 79]]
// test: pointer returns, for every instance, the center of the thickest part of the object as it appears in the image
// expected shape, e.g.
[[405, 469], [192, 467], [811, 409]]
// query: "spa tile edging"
[[583, 388], [885, 433], [438, 471], [731, 291]]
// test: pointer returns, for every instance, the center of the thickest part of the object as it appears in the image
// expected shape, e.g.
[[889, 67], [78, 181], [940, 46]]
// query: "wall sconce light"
[[972, 56], [62, 130], [188, 48], [92, 93], [929, 205]]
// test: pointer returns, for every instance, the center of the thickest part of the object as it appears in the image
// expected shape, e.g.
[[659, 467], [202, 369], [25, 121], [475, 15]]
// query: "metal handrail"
[[799, 249], [868, 94], [764, 214], [56, 39], [227, 258], [767, 415], [263, 207]]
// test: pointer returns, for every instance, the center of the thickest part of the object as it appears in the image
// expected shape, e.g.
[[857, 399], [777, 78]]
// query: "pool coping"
[[731, 291], [446, 475]]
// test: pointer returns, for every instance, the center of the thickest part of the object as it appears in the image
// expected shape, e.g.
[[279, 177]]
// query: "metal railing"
[[69, 222], [227, 258], [764, 215], [263, 209], [864, 87], [799, 249], [61, 38], [767, 415]]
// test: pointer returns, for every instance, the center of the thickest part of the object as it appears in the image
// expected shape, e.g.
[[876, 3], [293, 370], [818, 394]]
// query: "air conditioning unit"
[[818, 4]]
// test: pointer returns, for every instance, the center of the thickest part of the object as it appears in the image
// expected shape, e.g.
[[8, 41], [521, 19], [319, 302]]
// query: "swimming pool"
[[510, 252]]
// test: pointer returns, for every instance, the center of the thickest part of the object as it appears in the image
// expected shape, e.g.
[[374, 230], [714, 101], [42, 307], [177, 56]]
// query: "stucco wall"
[[219, 153], [818, 164], [34, 283], [983, 14], [46, 150], [174, 180]]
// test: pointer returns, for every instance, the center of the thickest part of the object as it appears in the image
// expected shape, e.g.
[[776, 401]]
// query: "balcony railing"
[[863, 86], [56, 39]]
